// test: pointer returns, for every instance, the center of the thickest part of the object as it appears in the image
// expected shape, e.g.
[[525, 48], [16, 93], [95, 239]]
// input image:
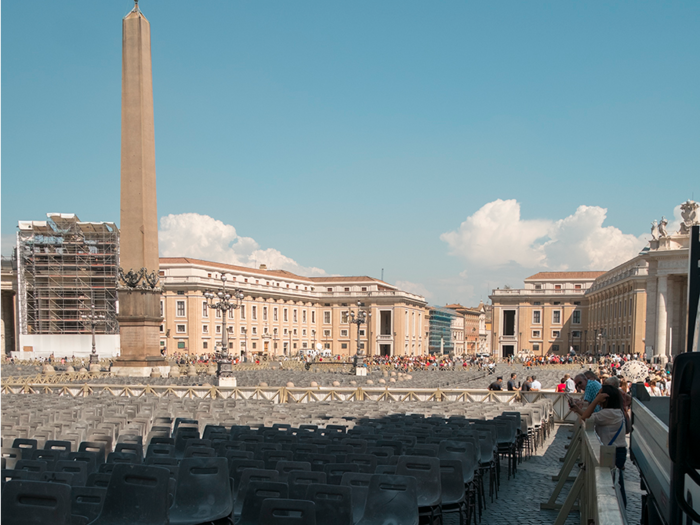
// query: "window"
[[303, 332], [242, 345], [508, 322], [218, 328], [344, 317], [254, 312], [344, 346], [556, 317], [242, 330], [181, 292], [538, 287], [305, 344], [343, 333], [329, 289], [347, 289], [255, 345], [242, 311], [536, 334], [313, 316], [218, 313], [180, 310], [537, 317], [537, 303], [264, 313], [326, 333], [295, 317], [162, 309], [327, 346], [295, 332], [364, 288], [205, 328], [230, 329], [362, 332], [326, 317], [274, 314], [181, 329], [303, 316], [285, 332], [255, 330], [577, 287], [576, 317], [205, 309], [230, 313], [162, 328], [285, 315], [557, 286], [535, 348], [295, 345], [274, 332], [575, 333], [205, 345], [556, 334], [180, 345], [555, 348], [265, 330]]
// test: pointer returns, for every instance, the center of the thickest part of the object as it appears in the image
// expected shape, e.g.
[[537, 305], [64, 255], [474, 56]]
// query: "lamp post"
[[224, 301], [93, 319], [358, 319], [245, 344]]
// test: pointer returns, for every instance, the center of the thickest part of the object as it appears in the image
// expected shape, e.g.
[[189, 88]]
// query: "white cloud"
[[203, 237], [415, 288], [9, 241], [496, 236]]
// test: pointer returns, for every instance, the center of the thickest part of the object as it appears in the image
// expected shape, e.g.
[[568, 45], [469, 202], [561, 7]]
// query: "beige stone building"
[[283, 313], [548, 315], [617, 309]]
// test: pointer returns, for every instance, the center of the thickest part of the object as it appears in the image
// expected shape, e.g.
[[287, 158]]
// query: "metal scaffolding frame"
[[64, 265]]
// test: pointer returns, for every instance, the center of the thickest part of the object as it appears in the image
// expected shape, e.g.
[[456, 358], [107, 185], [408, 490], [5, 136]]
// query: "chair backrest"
[[200, 452], [199, 480], [79, 469], [366, 463], [451, 481], [427, 449], [299, 481], [285, 467], [136, 493], [160, 450], [333, 503], [237, 466], [251, 475], [124, 457], [272, 457], [87, 501], [279, 511], [27, 446], [130, 448], [62, 446], [391, 499], [25, 502], [334, 471], [98, 447], [427, 473], [99, 479], [256, 493], [32, 465], [463, 452], [359, 484]]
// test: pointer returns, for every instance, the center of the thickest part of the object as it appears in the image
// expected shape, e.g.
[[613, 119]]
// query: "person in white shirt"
[[570, 385], [610, 425], [536, 385]]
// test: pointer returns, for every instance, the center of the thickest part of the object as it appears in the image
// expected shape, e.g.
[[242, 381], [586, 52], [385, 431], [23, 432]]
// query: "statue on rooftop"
[[654, 230], [662, 228], [689, 213]]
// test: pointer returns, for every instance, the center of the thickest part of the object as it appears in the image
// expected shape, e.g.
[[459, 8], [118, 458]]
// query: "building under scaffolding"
[[64, 266]]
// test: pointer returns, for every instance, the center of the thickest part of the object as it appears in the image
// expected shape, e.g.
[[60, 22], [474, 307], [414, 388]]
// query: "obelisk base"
[[139, 335]]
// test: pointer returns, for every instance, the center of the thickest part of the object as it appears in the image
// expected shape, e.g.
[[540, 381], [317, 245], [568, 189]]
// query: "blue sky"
[[351, 137]]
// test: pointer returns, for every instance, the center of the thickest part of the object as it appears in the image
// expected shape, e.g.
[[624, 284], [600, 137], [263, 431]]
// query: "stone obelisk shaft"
[[139, 295]]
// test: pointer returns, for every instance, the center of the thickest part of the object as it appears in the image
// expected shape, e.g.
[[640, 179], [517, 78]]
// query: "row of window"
[[556, 334], [182, 329], [556, 317], [620, 308]]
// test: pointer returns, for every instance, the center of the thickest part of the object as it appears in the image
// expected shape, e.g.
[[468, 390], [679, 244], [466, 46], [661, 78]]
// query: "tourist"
[[511, 382], [527, 385], [653, 389], [497, 384], [536, 386], [570, 386], [609, 421], [561, 387], [590, 388]]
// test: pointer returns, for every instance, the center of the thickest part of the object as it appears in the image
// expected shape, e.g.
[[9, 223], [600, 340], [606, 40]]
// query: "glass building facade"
[[440, 331]]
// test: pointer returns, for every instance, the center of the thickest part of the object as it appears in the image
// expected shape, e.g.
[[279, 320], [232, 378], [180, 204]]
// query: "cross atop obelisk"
[[139, 291]]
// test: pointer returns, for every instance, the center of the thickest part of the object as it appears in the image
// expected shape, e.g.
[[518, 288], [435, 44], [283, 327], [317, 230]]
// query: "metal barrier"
[[304, 394], [598, 496]]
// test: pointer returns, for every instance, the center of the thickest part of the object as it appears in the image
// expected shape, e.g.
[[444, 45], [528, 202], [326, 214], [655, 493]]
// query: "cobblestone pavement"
[[519, 498]]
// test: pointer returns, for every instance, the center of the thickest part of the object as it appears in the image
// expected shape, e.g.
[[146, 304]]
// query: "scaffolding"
[[65, 265]]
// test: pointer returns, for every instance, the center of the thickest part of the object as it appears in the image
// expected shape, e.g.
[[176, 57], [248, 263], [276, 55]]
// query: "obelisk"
[[138, 291]]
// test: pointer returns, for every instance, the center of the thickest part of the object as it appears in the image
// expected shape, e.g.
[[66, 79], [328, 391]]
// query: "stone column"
[[3, 324], [660, 350], [139, 291]]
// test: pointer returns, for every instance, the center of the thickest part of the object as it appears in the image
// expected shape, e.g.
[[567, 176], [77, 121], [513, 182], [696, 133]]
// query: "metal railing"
[[599, 501]]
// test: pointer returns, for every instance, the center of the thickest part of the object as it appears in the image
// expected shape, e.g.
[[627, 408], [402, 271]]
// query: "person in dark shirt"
[[511, 382], [527, 384], [497, 384]]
